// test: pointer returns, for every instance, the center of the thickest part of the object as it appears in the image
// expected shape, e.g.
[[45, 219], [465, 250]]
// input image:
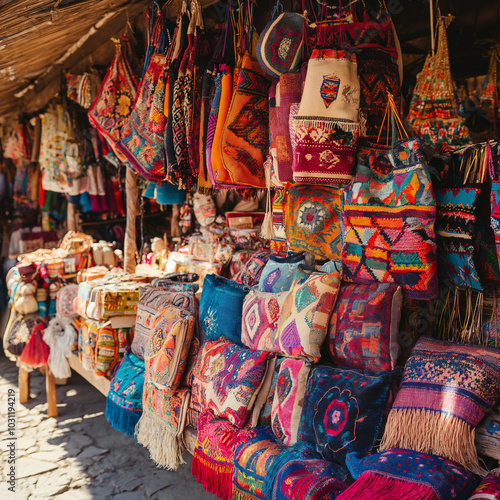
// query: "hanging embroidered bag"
[[435, 109], [113, 105], [279, 49], [389, 213], [142, 136], [245, 138], [326, 127], [495, 209]]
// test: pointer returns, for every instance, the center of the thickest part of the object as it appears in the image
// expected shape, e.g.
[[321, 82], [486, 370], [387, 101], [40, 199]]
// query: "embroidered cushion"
[[226, 320], [231, 377], [312, 219], [306, 311], [288, 399], [406, 474], [446, 387], [168, 347], [252, 271], [252, 460], [364, 326], [151, 301], [261, 313], [279, 48], [299, 473], [279, 272], [343, 410]]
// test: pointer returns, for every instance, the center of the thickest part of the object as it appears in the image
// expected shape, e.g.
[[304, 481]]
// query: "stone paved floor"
[[78, 455]]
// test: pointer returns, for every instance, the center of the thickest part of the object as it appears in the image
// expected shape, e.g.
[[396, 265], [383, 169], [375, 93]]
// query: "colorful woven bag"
[[326, 127], [435, 109], [279, 49], [495, 209], [245, 138], [389, 213], [113, 105], [142, 136]]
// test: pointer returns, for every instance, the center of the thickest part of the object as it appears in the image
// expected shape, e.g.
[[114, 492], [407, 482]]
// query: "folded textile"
[[213, 458]]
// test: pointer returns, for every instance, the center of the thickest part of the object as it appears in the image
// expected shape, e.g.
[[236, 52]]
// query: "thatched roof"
[[39, 39]]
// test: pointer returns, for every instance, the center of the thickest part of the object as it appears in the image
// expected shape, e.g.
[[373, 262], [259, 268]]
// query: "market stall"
[[265, 247]]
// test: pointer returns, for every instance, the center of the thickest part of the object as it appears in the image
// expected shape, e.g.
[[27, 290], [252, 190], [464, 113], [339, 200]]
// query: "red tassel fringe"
[[372, 486], [214, 477]]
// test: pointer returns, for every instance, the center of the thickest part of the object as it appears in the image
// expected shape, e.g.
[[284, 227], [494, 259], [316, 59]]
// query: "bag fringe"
[[165, 448], [373, 486], [121, 419], [327, 123], [242, 495], [214, 477], [435, 433]]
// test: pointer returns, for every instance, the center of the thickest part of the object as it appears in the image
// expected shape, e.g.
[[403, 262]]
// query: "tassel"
[[435, 433], [326, 123], [267, 225], [36, 351], [214, 477], [242, 495], [165, 448], [373, 486], [121, 419]]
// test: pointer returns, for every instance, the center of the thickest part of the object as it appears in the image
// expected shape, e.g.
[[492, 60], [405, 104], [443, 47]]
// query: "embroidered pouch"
[[252, 271], [168, 347], [326, 127], [124, 399], [154, 300], [226, 320], [245, 138], [306, 311], [389, 212], [364, 326], [288, 399], [279, 48], [312, 219], [110, 344], [447, 388], [343, 411], [279, 272]]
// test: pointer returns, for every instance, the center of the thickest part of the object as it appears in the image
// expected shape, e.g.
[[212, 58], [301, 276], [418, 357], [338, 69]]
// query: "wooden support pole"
[[130, 244], [71, 217], [50, 389], [24, 386]]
